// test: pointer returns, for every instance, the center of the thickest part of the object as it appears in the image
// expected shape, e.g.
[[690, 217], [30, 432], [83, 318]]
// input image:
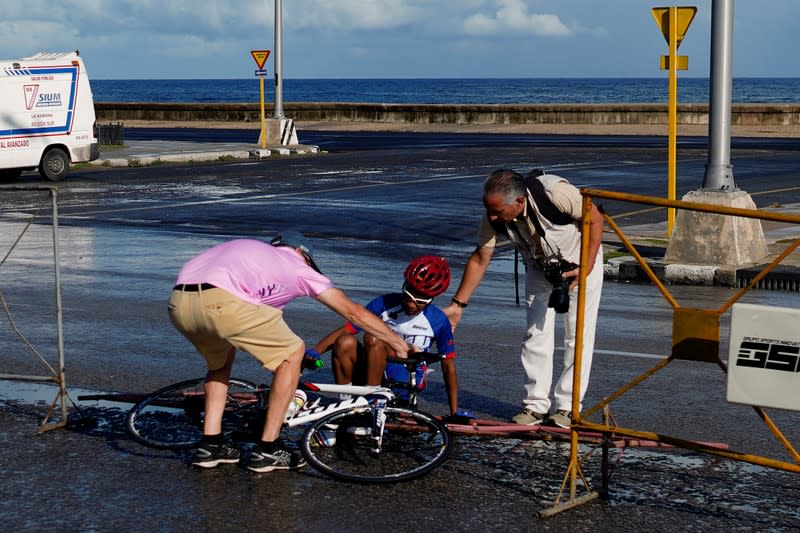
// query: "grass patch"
[[614, 255], [153, 163], [659, 242]]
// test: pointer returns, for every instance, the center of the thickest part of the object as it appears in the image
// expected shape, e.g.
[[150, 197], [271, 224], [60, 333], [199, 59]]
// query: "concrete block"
[[279, 132], [725, 276], [623, 268], [713, 239], [260, 153], [611, 270], [689, 274]]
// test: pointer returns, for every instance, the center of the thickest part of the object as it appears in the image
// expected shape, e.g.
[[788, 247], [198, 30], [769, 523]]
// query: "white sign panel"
[[764, 356], [39, 100]]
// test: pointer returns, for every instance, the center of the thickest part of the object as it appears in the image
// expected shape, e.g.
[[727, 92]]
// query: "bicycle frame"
[[360, 393]]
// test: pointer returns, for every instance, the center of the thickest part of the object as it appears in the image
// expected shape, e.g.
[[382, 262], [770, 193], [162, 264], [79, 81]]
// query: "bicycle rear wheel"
[[414, 443], [172, 418]]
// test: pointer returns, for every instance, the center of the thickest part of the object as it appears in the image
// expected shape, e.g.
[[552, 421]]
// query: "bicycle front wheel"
[[341, 445], [172, 418]]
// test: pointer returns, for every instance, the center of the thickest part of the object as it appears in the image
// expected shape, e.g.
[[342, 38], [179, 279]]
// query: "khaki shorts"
[[214, 320]]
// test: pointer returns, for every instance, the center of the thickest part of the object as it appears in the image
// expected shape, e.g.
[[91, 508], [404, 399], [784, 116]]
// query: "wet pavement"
[[649, 238], [92, 477]]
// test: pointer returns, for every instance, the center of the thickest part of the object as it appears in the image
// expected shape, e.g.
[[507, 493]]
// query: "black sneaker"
[[210, 455], [280, 459]]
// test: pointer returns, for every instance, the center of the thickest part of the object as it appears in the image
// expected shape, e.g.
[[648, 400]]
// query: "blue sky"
[[141, 39]]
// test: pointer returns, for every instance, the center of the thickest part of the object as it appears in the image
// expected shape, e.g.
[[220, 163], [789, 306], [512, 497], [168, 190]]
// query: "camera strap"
[[534, 218], [544, 205]]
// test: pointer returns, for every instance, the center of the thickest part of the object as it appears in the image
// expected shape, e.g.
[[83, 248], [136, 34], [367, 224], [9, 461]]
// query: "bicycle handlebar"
[[415, 358]]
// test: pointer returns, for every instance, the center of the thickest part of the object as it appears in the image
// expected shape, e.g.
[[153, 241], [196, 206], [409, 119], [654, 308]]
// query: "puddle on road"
[[43, 393]]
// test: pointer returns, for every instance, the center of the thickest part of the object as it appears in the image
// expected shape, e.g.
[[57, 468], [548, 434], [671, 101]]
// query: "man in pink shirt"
[[232, 296]]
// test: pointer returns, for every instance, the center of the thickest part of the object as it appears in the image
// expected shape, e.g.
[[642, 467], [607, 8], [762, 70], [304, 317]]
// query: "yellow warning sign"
[[260, 56], [685, 16]]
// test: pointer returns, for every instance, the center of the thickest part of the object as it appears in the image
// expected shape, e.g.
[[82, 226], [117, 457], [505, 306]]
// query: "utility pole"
[[278, 111], [719, 172]]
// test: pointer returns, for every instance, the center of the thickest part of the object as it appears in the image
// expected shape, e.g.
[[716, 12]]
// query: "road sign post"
[[673, 22], [260, 57]]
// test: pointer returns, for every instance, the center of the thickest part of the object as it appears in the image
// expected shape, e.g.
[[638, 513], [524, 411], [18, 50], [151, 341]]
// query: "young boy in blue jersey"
[[411, 315]]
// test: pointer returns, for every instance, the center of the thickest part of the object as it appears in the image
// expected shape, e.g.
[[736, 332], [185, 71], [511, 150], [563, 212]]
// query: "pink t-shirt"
[[256, 272]]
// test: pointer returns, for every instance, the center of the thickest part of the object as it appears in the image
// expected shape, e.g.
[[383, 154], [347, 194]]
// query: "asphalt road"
[[127, 231], [376, 140]]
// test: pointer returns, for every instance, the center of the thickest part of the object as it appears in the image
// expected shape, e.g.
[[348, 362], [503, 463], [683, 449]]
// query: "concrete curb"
[[143, 160], [628, 269]]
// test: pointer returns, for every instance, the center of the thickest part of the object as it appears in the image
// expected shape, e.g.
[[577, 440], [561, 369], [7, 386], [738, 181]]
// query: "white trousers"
[[539, 343]]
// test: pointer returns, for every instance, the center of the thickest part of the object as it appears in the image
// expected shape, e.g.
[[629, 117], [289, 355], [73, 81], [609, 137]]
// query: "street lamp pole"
[[278, 111], [719, 172]]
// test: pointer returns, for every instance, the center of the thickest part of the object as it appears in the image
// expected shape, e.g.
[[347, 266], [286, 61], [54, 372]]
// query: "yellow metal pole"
[[673, 113], [263, 137], [693, 206], [691, 445], [578, 355]]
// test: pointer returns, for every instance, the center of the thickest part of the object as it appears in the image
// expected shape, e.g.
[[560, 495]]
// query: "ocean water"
[[446, 90]]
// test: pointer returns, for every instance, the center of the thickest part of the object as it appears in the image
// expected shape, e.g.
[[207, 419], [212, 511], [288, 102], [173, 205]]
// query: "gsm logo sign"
[[769, 354]]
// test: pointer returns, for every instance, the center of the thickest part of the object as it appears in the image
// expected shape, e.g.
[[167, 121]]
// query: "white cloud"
[[385, 38], [353, 14], [24, 37], [513, 15]]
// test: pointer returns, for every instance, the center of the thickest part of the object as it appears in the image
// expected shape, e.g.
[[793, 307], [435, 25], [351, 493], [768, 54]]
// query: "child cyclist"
[[412, 316]]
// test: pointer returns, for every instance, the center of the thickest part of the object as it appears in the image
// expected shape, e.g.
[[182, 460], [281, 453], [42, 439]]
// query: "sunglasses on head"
[[416, 299], [310, 262]]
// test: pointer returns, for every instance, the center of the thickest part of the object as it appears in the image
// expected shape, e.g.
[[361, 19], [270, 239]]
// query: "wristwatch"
[[458, 302]]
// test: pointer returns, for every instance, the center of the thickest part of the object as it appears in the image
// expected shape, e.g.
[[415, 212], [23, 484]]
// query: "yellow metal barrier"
[[695, 337]]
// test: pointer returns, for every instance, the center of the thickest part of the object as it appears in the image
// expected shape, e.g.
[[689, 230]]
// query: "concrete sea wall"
[[599, 114]]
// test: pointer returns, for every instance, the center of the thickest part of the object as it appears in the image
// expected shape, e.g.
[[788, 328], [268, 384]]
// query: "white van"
[[46, 115]]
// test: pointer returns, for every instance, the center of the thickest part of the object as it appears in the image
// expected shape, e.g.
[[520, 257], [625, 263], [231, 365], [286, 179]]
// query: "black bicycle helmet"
[[298, 241]]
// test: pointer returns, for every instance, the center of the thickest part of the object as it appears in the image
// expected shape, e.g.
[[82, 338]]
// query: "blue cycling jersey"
[[420, 330]]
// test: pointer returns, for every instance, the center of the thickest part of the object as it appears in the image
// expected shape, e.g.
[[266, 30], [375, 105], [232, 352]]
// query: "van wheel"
[[10, 174], [54, 165]]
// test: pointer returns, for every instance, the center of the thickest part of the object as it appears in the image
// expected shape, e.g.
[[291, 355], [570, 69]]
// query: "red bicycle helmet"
[[428, 276]]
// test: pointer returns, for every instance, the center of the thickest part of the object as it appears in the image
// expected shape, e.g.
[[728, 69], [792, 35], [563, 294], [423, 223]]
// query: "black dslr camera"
[[559, 298]]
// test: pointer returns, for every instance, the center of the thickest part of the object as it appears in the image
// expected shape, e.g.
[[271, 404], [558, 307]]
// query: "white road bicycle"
[[376, 436]]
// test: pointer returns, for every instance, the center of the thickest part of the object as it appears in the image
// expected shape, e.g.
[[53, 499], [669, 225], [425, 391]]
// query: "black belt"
[[193, 287]]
